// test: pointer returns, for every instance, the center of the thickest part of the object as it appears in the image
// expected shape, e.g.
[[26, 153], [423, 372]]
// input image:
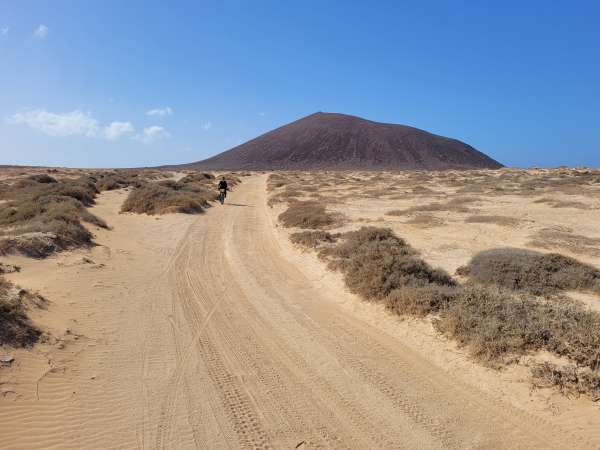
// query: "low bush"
[[420, 300], [16, 329], [537, 273], [169, 197], [313, 239], [495, 323], [42, 178], [375, 262], [309, 214], [201, 177], [41, 217], [570, 379]]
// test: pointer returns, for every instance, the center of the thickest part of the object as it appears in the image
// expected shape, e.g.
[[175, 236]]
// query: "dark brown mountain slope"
[[338, 141]]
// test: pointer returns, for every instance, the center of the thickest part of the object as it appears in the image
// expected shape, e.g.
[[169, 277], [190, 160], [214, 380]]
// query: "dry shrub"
[[504, 221], [117, 179], [314, 239], [420, 300], [198, 177], [190, 195], [537, 273], [166, 197], [42, 218], [564, 239], [8, 268], [375, 262], [16, 329], [496, 323], [569, 380], [309, 214], [42, 178]]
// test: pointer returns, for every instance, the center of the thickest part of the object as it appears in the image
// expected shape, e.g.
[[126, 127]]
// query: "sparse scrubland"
[[190, 195], [43, 212], [511, 302], [42, 215]]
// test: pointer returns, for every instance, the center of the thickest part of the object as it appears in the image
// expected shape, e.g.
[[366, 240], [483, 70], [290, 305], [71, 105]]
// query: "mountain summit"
[[338, 141]]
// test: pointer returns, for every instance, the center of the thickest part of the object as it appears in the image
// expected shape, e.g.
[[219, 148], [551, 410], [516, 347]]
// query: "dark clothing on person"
[[222, 184]]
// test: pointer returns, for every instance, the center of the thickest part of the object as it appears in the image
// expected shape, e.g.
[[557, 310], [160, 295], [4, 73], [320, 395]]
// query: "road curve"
[[263, 359]]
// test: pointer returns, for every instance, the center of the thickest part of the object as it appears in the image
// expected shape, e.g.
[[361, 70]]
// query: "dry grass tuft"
[[537, 273], [16, 329], [314, 239], [569, 380], [309, 214]]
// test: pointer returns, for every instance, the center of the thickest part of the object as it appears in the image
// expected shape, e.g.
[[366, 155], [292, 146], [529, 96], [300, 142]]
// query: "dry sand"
[[213, 331]]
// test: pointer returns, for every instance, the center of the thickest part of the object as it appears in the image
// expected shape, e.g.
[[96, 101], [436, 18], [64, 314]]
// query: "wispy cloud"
[[207, 126], [117, 130], [152, 134], [74, 123], [40, 32], [161, 112], [4, 31], [262, 114]]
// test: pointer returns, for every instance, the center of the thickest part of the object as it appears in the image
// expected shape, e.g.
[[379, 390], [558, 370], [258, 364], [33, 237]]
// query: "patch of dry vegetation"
[[164, 197], [309, 214], [494, 315], [570, 380], [16, 328], [504, 221], [537, 273], [425, 220], [556, 203], [564, 239], [314, 239], [190, 195], [43, 217], [457, 205], [496, 323], [375, 262]]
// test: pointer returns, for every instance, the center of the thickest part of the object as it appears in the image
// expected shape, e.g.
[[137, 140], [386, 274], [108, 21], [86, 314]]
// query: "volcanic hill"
[[341, 142]]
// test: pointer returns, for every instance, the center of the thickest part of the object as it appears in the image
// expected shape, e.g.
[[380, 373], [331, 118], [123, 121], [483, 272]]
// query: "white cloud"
[[4, 31], [152, 134], [160, 112], [116, 130], [74, 123], [40, 32], [262, 114], [207, 126], [77, 123]]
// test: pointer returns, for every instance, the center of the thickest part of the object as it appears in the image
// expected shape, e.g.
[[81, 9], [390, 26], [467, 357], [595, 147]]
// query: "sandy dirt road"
[[233, 346]]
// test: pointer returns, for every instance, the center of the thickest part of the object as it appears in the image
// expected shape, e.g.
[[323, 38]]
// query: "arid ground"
[[214, 330]]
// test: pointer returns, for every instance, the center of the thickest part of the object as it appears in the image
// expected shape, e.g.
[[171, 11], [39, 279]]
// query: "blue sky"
[[129, 83]]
